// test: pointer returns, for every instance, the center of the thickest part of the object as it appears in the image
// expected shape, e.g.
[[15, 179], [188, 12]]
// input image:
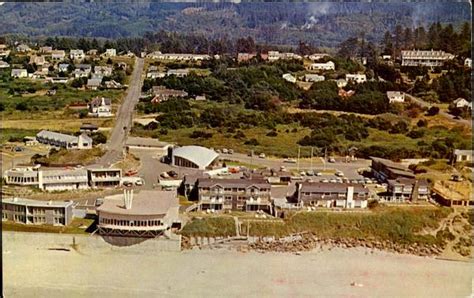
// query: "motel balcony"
[[161, 227]]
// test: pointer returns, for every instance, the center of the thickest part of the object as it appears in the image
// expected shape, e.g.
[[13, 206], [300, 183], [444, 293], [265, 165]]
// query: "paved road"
[[446, 115], [124, 118]]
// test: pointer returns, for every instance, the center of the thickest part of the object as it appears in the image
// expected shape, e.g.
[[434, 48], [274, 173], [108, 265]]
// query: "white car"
[[339, 174], [139, 182], [225, 151], [318, 174], [289, 160], [262, 155]]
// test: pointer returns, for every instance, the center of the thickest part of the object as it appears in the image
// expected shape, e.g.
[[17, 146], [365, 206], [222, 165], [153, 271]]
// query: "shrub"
[[432, 111], [272, 134], [252, 142]]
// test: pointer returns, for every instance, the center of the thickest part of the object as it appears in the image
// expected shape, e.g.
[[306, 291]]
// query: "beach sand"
[[33, 271]]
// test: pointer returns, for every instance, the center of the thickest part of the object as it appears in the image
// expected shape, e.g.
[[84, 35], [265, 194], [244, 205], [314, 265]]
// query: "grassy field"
[[282, 145], [77, 226], [82, 157], [400, 225], [210, 227]]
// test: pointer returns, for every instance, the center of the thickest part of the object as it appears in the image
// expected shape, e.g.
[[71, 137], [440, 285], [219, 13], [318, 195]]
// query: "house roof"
[[145, 202], [201, 156], [146, 142], [56, 136], [97, 101], [320, 187], [462, 152], [233, 183], [94, 82], [35, 203], [65, 172]]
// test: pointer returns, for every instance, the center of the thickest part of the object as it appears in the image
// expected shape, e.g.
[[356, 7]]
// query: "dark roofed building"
[[161, 93], [341, 195], [384, 169], [402, 189]]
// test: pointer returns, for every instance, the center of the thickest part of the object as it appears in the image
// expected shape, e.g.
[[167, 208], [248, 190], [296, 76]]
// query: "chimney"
[[350, 197], [128, 198]]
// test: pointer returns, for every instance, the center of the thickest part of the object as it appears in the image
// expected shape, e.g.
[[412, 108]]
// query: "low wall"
[[84, 243]]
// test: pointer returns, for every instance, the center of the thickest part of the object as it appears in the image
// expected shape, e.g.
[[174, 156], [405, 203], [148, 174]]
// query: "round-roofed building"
[[193, 157]]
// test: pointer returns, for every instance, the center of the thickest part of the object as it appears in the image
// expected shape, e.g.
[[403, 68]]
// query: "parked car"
[[339, 174], [333, 180], [231, 151], [172, 174], [18, 149], [139, 182], [289, 160], [262, 155], [164, 175], [324, 181], [318, 174], [127, 183], [310, 173], [302, 173], [331, 160], [225, 151]]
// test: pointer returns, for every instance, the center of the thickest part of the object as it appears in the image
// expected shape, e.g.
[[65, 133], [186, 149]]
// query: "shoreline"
[[33, 270]]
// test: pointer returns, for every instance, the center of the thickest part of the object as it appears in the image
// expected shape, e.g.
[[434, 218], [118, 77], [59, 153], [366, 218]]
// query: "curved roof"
[[201, 156]]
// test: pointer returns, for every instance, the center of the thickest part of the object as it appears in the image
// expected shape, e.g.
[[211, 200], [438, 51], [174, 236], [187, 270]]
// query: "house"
[[38, 60], [63, 140], [356, 78], [59, 80], [92, 52], [58, 55], [322, 66], [4, 52], [384, 169], [275, 55], [147, 143], [100, 107], [162, 93], [425, 58], [93, 84], [19, 73], [330, 195], [200, 98], [110, 52], [63, 67], [242, 57], [112, 85], [4, 64], [386, 57], [155, 75], [468, 62], [178, 57], [345, 94], [395, 96], [88, 127], [462, 103], [103, 70], [26, 211], [23, 48], [453, 194], [146, 214], [192, 157], [309, 77], [289, 78], [46, 50], [403, 189], [461, 156], [317, 56], [233, 194], [178, 72], [77, 55]]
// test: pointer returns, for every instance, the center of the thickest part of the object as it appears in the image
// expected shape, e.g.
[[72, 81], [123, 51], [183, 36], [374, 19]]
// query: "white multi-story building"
[[357, 78], [110, 52], [309, 77], [468, 62], [289, 77], [322, 66], [425, 58], [179, 57], [19, 73]]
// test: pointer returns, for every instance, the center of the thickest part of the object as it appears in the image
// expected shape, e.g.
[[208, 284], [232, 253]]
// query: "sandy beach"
[[34, 271]]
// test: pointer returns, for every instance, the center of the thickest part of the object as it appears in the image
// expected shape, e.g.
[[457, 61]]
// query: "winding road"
[[123, 122]]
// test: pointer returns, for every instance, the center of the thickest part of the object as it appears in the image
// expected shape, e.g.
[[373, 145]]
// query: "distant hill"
[[322, 24]]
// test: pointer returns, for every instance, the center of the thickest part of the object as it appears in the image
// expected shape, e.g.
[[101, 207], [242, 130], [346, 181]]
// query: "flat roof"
[[331, 187], [210, 182], [35, 203], [145, 142], [145, 202]]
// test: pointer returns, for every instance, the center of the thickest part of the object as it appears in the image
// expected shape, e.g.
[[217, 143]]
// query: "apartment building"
[[403, 189], [234, 194], [37, 212], [330, 195], [102, 178], [425, 58], [61, 140]]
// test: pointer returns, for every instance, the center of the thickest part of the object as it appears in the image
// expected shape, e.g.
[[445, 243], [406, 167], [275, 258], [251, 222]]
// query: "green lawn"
[[210, 227]]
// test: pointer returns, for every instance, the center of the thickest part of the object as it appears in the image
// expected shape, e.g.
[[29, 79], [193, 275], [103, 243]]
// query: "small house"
[[100, 107], [462, 103], [356, 78], [289, 78], [110, 52], [77, 54], [395, 96], [19, 73], [93, 84]]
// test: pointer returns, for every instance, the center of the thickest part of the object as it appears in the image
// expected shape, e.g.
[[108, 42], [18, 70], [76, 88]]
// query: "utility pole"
[[298, 160], [324, 161], [311, 159]]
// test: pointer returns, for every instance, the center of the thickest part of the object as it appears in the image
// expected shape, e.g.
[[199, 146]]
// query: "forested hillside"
[[321, 24]]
